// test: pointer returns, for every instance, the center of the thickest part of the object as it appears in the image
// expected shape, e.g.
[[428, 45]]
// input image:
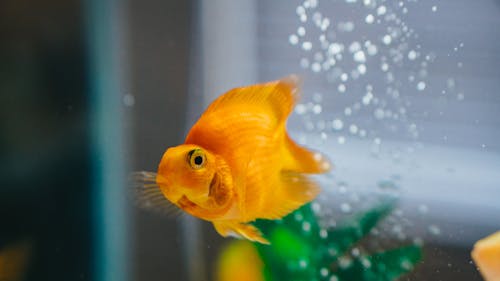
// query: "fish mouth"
[[185, 203]]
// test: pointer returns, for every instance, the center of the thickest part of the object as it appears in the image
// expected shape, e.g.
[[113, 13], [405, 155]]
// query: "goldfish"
[[486, 255], [238, 162]]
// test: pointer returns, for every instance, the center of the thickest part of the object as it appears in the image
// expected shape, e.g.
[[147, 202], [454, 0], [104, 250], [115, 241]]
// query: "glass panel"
[[400, 95]]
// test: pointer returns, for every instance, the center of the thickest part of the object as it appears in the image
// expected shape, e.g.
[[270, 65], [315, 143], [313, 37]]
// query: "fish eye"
[[196, 159]]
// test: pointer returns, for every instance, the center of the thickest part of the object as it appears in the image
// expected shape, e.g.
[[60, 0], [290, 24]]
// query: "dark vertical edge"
[[104, 38]]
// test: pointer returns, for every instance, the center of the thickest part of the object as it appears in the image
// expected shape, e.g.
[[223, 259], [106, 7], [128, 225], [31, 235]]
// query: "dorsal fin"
[[278, 97]]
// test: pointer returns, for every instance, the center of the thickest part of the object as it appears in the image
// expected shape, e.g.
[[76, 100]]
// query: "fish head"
[[192, 178]]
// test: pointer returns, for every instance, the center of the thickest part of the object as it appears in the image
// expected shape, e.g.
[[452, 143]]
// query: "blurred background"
[[401, 95]]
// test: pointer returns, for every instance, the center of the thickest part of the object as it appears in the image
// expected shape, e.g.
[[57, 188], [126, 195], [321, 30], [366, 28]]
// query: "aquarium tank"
[[402, 96]]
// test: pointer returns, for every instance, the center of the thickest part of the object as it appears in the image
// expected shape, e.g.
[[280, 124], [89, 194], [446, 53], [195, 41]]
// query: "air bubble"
[[345, 207], [337, 124], [450, 83], [325, 24], [324, 272], [341, 140], [347, 111], [344, 77], [298, 216], [359, 56], [307, 46], [353, 129], [316, 67], [412, 55], [293, 39], [369, 19], [381, 10], [300, 109], [421, 86], [346, 26], [325, 166], [434, 8], [318, 156], [366, 262], [362, 68], [384, 67], [355, 252], [335, 48], [379, 113], [434, 229], [371, 50], [387, 39], [300, 10], [341, 88], [406, 264], [324, 136], [301, 31], [317, 109], [354, 47], [306, 226], [333, 278]]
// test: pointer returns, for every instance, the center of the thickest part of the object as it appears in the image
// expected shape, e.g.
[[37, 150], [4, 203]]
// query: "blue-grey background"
[[89, 89]]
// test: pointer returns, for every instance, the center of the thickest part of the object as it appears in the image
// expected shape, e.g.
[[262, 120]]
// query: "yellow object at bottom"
[[486, 255], [239, 261]]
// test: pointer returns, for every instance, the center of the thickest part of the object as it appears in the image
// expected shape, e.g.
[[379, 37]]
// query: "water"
[[401, 96], [392, 115]]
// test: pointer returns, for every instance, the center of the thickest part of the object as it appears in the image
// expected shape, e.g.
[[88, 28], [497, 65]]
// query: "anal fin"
[[239, 230]]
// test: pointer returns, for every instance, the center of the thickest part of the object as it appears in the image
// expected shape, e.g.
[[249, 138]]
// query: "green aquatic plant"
[[301, 249]]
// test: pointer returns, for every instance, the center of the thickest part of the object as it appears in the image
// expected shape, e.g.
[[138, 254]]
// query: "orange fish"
[[238, 162], [486, 255]]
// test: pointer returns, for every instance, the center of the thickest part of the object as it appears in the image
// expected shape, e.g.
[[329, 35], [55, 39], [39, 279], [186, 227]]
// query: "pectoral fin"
[[146, 194], [240, 230]]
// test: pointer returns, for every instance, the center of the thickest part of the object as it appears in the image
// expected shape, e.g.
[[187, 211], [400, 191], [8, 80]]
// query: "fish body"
[[486, 255], [238, 162]]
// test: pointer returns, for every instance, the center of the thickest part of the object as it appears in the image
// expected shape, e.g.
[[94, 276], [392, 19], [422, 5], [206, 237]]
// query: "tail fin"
[[302, 160]]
